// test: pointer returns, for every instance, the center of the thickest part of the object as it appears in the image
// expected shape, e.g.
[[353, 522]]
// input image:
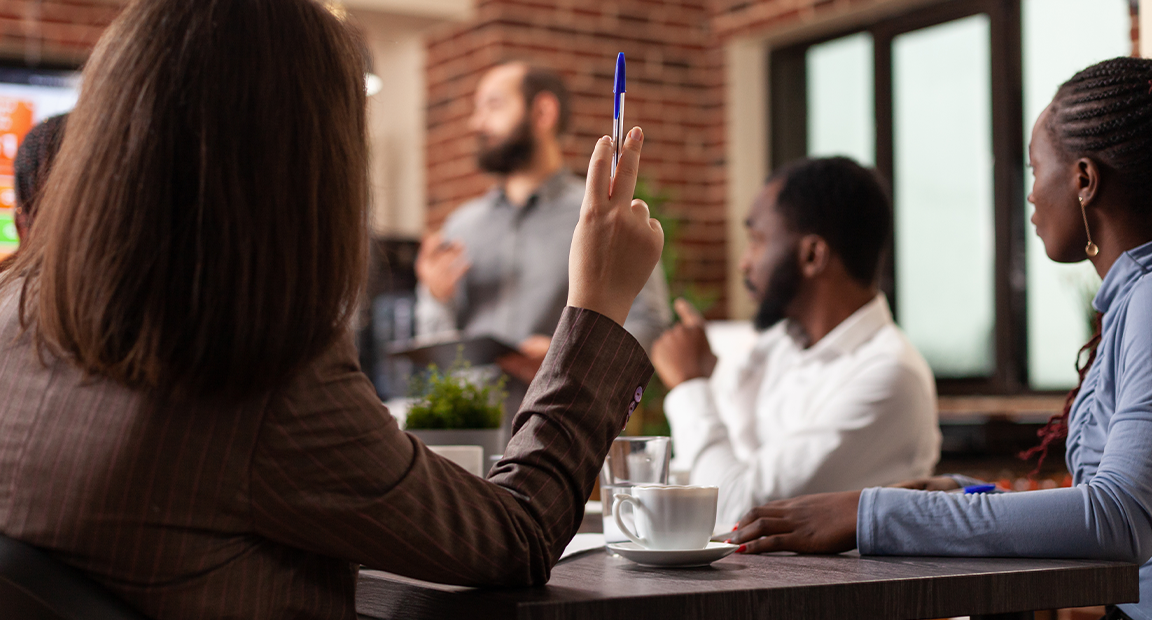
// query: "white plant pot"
[[490, 439]]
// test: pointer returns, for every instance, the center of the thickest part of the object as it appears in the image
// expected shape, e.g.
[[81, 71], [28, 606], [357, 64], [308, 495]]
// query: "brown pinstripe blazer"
[[265, 510]]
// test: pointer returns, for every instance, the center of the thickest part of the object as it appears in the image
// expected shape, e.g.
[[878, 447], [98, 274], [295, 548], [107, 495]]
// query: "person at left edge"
[[499, 265], [33, 163]]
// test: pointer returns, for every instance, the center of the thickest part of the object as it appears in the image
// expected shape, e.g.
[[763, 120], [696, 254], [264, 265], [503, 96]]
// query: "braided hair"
[[1103, 113]]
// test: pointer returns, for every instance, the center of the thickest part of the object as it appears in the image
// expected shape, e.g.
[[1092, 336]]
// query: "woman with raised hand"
[[1091, 150], [183, 417]]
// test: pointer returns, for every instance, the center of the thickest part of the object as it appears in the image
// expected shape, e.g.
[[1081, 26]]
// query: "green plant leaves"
[[449, 400]]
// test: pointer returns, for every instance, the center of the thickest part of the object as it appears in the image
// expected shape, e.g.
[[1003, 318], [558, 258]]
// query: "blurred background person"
[[33, 163], [832, 396], [499, 265]]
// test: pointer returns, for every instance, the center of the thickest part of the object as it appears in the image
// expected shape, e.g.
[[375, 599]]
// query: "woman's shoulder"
[[1138, 301], [1132, 319]]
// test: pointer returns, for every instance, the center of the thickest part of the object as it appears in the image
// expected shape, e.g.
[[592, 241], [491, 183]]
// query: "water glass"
[[631, 461]]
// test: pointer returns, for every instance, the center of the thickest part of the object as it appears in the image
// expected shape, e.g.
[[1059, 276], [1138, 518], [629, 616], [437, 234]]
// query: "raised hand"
[[617, 243], [822, 523], [683, 353], [440, 266]]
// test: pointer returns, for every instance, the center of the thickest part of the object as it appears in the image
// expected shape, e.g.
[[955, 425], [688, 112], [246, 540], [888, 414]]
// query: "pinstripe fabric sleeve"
[[333, 474]]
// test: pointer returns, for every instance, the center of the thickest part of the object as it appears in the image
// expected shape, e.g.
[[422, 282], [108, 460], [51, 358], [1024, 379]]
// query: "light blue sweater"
[[1107, 514]]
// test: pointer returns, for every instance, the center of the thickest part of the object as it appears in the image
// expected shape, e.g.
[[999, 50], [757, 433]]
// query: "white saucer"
[[679, 559]]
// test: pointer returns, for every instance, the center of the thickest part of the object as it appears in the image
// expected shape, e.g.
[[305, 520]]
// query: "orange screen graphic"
[[15, 122]]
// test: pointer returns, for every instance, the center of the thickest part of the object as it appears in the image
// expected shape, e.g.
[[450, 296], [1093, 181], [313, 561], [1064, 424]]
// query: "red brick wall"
[[53, 30], [676, 88], [674, 92], [732, 18]]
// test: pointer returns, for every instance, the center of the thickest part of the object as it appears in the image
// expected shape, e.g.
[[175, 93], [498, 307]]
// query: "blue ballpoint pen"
[[618, 110], [979, 488]]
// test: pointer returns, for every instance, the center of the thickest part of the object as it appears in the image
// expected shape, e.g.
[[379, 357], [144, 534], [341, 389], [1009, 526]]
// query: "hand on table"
[[683, 353], [525, 364], [935, 483], [616, 243], [440, 266], [822, 523]]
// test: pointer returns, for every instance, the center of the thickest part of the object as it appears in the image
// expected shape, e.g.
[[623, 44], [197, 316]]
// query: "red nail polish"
[[728, 542], [735, 527], [742, 549]]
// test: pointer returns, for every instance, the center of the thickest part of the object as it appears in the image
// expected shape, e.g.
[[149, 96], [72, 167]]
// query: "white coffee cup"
[[669, 518]]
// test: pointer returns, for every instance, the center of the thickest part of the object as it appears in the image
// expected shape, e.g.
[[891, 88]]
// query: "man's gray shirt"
[[518, 283]]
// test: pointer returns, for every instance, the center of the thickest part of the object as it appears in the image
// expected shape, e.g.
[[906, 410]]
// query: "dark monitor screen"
[[27, 96]]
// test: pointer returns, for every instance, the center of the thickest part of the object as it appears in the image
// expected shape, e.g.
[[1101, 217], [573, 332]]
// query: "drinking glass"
[[631, 461]]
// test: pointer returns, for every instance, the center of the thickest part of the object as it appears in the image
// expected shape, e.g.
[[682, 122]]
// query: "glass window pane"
[[942, 124], [841, 120], [1061, 37]]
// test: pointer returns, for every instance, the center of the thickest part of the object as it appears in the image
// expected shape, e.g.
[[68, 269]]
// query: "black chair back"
[[34, 586]]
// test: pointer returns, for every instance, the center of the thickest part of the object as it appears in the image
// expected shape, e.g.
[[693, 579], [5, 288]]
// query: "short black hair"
[[844, 203], [538, 80], [34, 161]]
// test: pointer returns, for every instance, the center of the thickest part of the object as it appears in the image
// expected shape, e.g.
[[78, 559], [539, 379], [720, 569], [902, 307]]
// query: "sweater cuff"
[[865, 522]]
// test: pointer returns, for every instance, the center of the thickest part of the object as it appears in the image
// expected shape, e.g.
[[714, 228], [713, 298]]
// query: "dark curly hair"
[[844, 203], [33, 163]]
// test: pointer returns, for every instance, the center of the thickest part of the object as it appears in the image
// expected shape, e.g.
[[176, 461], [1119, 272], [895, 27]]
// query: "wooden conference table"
[[595, 585]]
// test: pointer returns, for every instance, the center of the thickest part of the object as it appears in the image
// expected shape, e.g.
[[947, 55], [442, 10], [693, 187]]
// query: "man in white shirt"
[[832, 396]]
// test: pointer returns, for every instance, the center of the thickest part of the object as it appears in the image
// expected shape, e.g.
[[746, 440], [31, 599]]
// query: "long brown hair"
[[203, 232]]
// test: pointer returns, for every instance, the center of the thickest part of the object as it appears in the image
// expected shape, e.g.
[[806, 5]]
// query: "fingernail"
[[728, 542], [636, 134], [606, 139], [735, 527], [742, 549]]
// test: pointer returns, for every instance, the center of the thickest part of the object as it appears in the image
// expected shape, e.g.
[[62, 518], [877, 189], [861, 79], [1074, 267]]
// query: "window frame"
[[787, 118]]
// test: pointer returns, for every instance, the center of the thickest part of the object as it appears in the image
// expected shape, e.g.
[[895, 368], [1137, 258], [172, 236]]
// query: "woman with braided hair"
[[1091, 150]]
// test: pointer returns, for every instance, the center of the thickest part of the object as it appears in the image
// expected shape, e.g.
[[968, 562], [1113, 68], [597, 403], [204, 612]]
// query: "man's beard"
[[511, 154], [783, 286]]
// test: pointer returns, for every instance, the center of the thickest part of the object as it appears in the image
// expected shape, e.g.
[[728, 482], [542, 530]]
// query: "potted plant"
[[458, 407]]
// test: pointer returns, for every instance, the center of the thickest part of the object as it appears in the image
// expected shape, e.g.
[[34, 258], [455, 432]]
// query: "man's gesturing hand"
[[616, 244], [439, 266], [823, 523], [683, 353]]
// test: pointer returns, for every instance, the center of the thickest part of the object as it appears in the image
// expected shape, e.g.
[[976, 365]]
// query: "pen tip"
[[618, 87]]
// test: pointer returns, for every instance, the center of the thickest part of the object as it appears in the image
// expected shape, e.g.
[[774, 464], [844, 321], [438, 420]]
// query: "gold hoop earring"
[[1091, 249]]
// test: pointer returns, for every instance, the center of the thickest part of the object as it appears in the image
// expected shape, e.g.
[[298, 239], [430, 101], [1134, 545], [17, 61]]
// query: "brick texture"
[[676, 89], [54, 31]]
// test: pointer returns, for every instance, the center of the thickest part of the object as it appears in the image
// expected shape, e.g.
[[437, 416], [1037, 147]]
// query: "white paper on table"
[[581, 543]]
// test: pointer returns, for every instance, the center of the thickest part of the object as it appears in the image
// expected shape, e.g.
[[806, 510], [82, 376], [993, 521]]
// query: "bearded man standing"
[[499, 266], [832, 396]]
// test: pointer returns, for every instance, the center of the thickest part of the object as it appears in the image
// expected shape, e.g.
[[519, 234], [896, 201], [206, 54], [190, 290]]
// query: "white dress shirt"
[[855, 410]]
